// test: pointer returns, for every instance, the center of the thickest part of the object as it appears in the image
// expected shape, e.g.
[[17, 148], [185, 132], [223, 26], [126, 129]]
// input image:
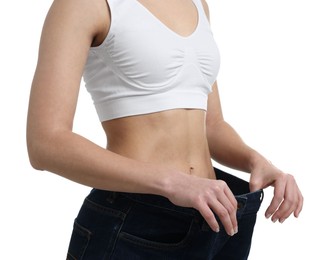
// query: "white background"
[[272, 82]]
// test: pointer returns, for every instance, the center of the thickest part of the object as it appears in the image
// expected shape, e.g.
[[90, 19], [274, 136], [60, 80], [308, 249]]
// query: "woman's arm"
[[235, 153], [227, 148], [69, 30], [239, 158]]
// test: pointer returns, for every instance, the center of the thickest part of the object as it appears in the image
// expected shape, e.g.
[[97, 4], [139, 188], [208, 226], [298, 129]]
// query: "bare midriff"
[[176, 138]]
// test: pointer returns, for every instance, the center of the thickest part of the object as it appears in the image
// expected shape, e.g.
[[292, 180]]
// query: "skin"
[[166, 153]]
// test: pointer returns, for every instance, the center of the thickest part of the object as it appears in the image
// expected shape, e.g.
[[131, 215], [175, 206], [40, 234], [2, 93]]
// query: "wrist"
[[255, 159], [163, 181], [170, 180]]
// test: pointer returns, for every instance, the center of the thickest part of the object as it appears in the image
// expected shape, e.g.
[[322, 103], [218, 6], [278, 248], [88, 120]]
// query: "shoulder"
[[84, 14]]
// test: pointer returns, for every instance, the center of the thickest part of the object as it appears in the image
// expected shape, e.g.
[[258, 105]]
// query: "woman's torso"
[[174, 137]]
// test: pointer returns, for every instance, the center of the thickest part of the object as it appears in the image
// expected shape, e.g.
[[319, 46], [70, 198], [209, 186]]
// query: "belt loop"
[[112, 196]]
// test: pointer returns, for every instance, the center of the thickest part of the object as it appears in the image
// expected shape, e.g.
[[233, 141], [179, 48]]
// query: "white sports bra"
[[144, 67]]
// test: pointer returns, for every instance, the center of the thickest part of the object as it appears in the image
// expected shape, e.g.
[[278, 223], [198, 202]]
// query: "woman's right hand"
[[209, 197]]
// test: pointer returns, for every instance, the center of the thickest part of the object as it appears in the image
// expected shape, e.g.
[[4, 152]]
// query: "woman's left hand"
[[287, 195]]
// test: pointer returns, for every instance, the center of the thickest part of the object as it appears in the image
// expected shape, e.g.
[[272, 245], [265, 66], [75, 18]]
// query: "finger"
[[289, 203], [224, 215], [209, 217], [228, 193], [284, 211], [300, 206], [233, 209], [228, 202], [287, 208], [300, 203], [277, 199], [292, 200]]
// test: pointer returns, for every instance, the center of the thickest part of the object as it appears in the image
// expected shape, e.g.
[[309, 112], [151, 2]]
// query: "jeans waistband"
[[248, 201], [241, 190]]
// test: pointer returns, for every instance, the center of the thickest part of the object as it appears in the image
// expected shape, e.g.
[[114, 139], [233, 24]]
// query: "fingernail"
[[236, 230], [232, 233], [217, 230], [281, 220], [268, 215], [274, 220]]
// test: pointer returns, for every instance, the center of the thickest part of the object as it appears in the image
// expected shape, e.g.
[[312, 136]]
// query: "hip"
[[116, 225]]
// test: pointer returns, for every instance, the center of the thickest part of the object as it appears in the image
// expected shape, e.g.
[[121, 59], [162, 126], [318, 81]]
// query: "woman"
[[150, 67]]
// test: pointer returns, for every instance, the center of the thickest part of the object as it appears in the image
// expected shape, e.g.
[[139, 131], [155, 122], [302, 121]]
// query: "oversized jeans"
[[127, 226]]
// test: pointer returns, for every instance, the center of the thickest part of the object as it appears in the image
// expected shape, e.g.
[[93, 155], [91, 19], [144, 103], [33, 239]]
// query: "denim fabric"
[[116, 225]]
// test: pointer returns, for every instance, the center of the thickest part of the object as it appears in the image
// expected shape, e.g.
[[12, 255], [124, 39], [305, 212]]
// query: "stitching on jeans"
[[85, 234], [103, 209], [158, 245], [116, 236]]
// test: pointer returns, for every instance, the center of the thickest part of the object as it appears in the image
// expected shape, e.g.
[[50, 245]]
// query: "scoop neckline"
[[167, 28]]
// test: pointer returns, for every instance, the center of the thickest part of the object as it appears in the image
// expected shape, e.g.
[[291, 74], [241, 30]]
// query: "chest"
[[181, 16], [151, 44]]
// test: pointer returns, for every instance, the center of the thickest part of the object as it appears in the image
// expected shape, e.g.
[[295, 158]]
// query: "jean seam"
[[116, 236], [85, 233]]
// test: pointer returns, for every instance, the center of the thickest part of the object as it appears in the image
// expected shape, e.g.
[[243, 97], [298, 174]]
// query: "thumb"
[[255, 185], [256, 182]]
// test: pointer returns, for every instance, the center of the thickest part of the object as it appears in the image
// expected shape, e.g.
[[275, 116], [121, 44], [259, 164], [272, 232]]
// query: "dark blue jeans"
[[127, 226]]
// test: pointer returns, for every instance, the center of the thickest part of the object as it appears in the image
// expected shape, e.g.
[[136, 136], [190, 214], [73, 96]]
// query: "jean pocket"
[[78, 243], [157, 228]]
